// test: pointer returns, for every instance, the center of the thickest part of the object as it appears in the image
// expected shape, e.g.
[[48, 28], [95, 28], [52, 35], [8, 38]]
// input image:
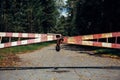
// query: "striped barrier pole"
[[85, 40], [31, 38]]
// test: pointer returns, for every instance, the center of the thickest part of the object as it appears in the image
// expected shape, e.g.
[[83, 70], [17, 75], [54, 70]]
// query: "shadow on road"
[[56, 68], [97, 51], [73, 47]]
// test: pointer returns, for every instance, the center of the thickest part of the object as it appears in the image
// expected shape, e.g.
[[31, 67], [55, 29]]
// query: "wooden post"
[[97, 40], [107, 40], [9, 39], [19, 39], [0, 39], [115, 39]]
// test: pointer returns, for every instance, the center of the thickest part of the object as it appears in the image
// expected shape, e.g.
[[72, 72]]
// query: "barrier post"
[[0, 39], [115, 39], [59, 41]]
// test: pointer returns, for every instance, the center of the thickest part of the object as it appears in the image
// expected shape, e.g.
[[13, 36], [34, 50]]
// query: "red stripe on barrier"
[[19, 42], [116, 46], [7, 44], [43, 37], [78, 39], [30, 41], [20, 34], [97, 36], [31, 35], [116, 34], [9, 34], [65, 40], [97, 44]]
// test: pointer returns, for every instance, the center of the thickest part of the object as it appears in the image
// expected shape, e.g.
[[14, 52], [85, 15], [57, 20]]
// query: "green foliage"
[[42, 16], [94, 16], [31, 16]]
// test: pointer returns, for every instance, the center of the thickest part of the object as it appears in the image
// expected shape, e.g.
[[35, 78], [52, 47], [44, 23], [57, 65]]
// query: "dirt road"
[[68, 64]]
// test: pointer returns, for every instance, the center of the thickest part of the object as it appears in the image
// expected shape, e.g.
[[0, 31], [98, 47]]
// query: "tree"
[[94, 16], [49, 13], [27, 15], [59, 3]]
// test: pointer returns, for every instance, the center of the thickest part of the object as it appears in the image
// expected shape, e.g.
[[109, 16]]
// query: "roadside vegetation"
[[8, 56], [112, 53]]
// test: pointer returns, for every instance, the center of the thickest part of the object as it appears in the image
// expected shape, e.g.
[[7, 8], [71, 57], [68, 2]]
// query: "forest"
[[43, 16]]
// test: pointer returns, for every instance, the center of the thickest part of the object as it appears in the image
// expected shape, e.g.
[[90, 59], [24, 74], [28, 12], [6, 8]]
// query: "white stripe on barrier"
[[37, 40], [106, 45], [13, 43], [87, 43], [24, 35], [71, 40], [2, 34], [37, 35], [86, 37], [15, 34], [1, 45], [107, 35], [24, 42], [50, 37]]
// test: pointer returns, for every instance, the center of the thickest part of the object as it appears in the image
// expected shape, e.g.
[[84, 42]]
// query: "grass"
[[23, 49], [108, 52]]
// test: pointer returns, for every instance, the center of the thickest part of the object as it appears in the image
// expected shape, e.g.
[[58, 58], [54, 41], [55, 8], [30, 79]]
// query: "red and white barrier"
[[32, 38], [85, 40], [81, 40], [103, 35], [23, 35]]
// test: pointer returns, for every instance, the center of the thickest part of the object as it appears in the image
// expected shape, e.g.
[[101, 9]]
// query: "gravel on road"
[[47, 64]]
